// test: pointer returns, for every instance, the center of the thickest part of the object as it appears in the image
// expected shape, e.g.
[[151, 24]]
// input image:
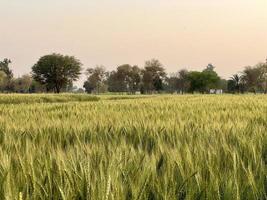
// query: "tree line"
[[56, 73]]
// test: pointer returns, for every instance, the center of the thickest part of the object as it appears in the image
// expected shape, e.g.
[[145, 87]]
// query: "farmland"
[[133, 147]]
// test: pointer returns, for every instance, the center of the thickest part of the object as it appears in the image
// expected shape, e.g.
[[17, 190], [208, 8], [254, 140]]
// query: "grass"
[[44, 98], [165, 147]]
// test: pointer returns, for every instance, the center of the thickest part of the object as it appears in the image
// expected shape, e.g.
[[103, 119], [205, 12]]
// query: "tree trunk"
[[57, 89]]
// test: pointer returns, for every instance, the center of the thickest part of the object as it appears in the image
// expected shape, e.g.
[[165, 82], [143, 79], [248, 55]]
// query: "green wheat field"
[[133, 147]]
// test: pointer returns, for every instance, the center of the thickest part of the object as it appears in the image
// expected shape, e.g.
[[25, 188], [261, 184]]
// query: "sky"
[[230, 34]]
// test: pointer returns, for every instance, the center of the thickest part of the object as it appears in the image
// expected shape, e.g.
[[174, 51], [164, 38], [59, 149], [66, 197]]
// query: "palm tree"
[[236, 79]]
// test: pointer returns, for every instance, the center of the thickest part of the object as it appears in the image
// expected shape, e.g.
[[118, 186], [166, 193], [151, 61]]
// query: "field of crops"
[[113, 148]]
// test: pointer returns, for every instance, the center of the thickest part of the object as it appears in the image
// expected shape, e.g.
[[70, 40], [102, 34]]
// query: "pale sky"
[[230, 34]]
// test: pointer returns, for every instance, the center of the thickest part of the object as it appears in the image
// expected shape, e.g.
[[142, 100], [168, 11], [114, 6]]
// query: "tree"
[[210, 67], [183, 81], [4, 66], [153, 76], [3, 81], [95, 80], [210, 78], [252, 77], [172, 83], [234, 84], [196, 81], [263, 77], [223, 83], [178, 81], [88, 87], [112, 82], [147, 82], [135, 79], [231, 86], [128, 78], [23, 84], [125, 78], [204, 81], [56, 71], [37, 87]]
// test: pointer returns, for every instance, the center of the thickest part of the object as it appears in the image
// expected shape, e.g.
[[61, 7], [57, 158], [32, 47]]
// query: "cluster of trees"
[[56, 73], [52, 73], [151, 79], [23, 84], [252, 79], [127, 78]]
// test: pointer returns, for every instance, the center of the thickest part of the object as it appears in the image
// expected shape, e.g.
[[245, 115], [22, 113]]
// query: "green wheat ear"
[[20, 196]]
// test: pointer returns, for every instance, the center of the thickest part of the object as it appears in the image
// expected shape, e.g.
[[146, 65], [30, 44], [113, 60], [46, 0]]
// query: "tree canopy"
[[205, 80], [4, 66], [153, 76], [56, 71], [126, 78], [95, 80]]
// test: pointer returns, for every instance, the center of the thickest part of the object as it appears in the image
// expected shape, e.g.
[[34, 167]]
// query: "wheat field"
[[126, 147]]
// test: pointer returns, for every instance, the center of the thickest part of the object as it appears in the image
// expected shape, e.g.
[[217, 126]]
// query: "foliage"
[[56, 71], [6, 99], [153, 76], [126, 78], [4, 66], [236, 84], [95, 80], [37, 87], [179, 82], [252, 78], [205, 80], [3, 81], [23, 84], [7, 82], [183, 81]]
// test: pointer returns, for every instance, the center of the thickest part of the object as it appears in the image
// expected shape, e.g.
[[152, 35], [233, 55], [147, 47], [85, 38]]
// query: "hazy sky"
[[180, 33]]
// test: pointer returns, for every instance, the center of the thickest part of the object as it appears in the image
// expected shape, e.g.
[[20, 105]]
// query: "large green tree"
[[205, 80], [196, 81], [210, 78], [56, 71]]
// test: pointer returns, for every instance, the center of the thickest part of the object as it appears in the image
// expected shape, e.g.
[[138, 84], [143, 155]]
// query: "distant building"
[[216, 91]]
